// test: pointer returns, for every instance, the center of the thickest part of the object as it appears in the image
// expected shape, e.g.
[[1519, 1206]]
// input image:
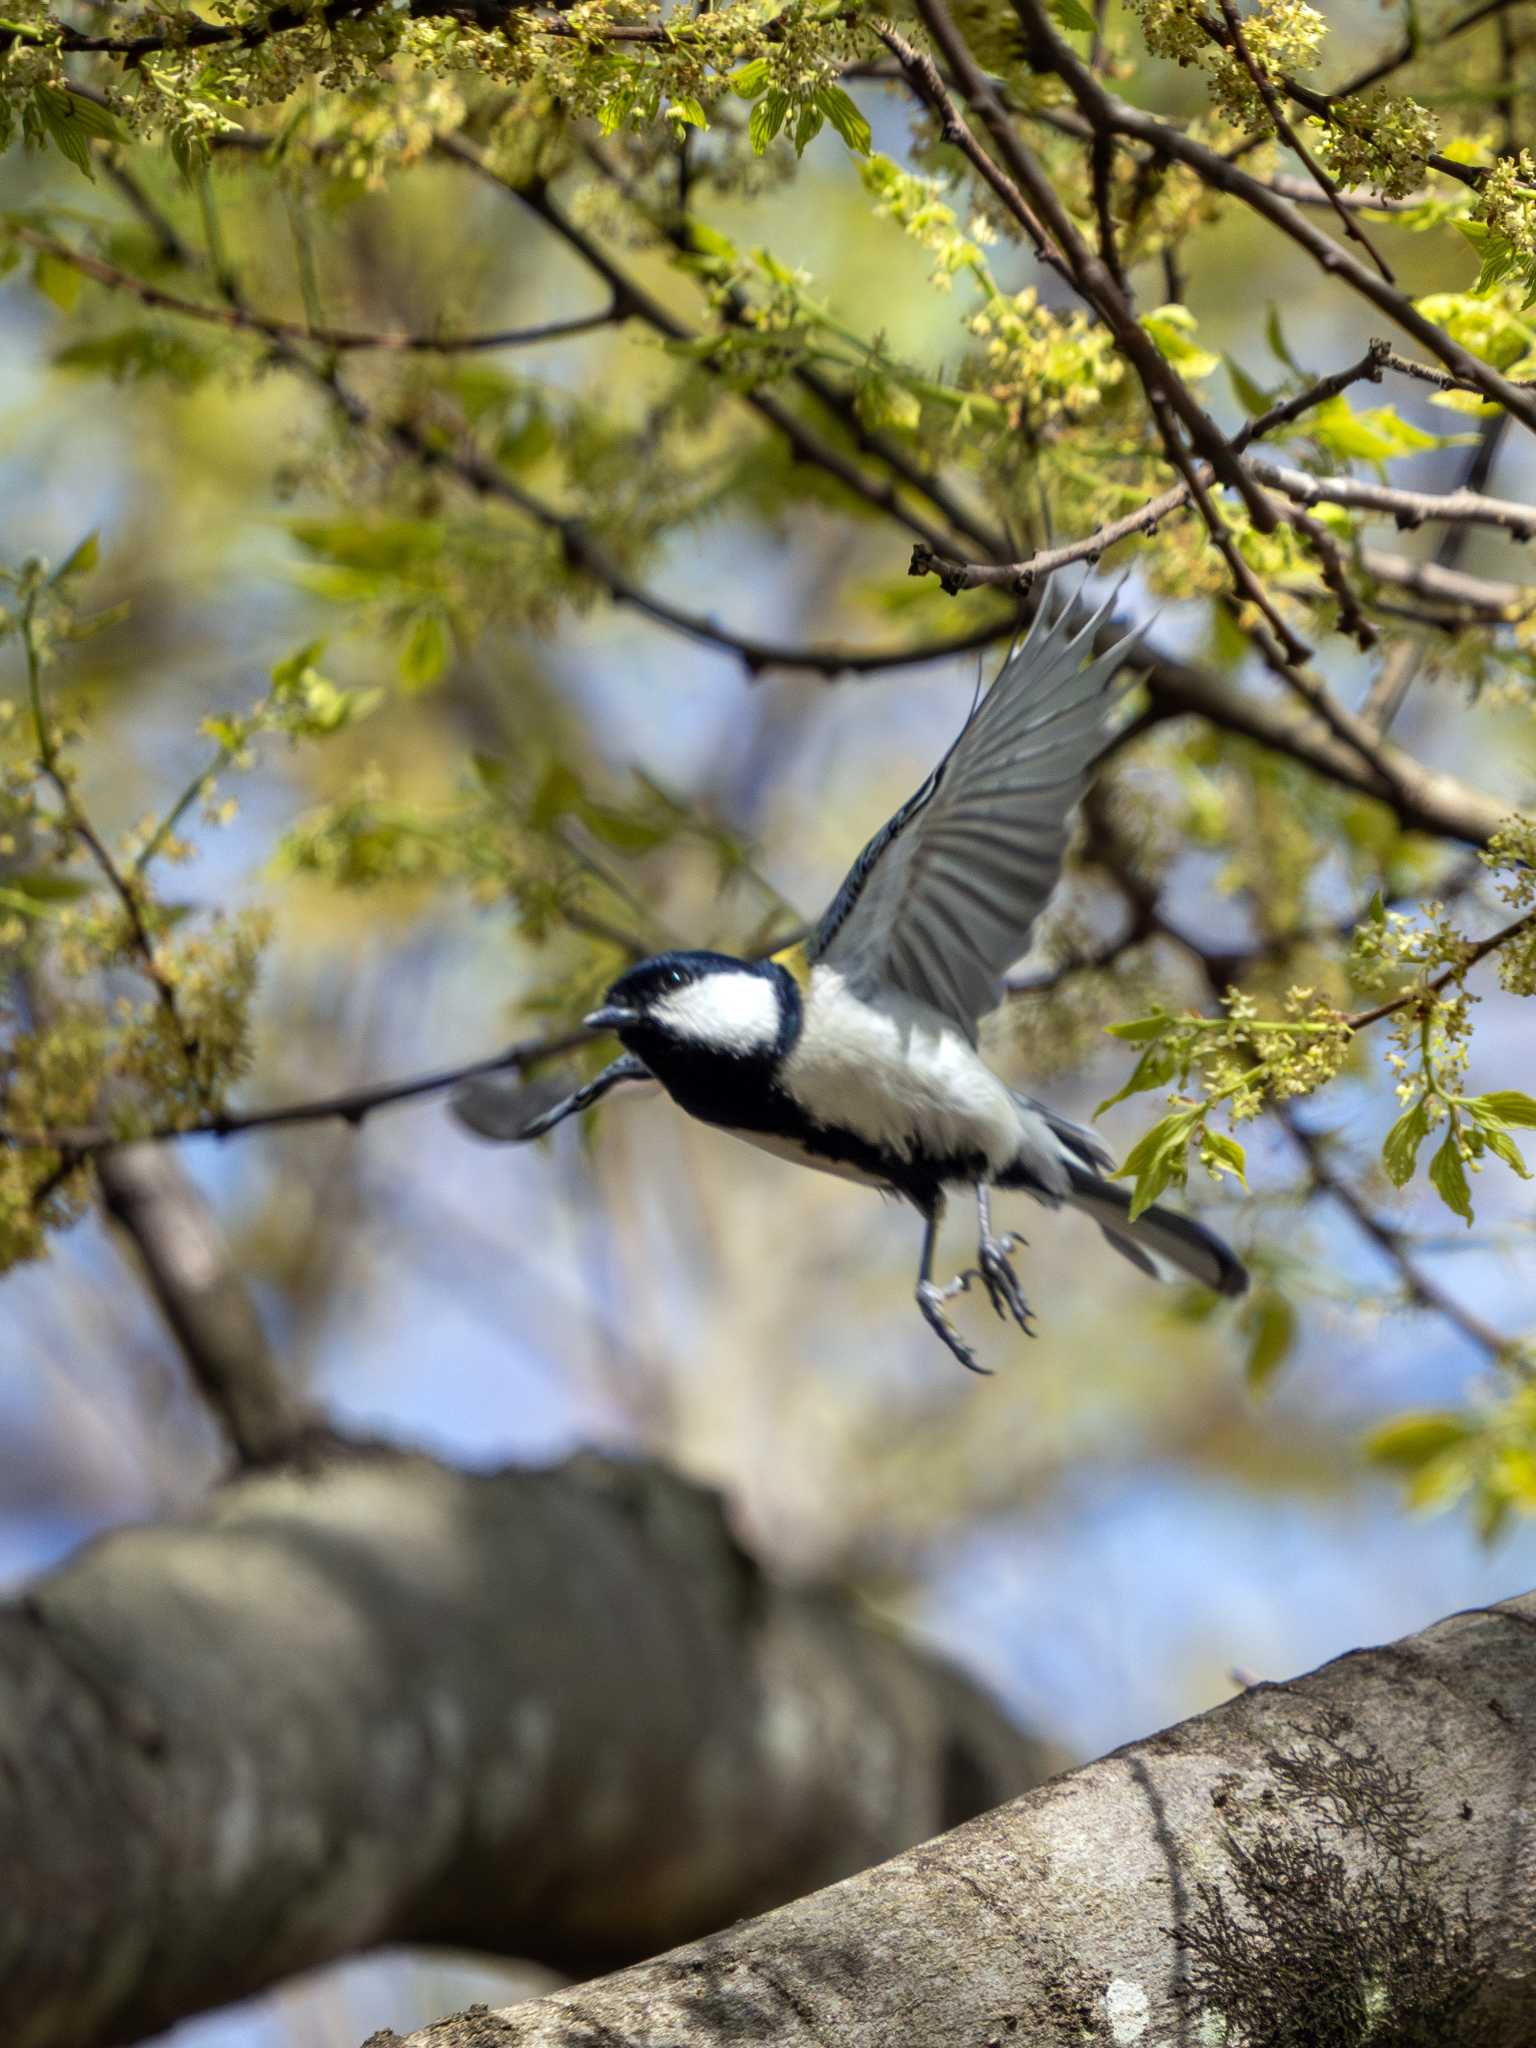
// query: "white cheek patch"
[[736, 1013]]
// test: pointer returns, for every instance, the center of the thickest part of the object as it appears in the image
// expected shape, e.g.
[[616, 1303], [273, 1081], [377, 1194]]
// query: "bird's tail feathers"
[[1159, 1237]]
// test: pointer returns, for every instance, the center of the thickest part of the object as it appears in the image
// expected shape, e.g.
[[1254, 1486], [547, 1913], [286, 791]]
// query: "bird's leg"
[[994, 1266], [931, 1297]]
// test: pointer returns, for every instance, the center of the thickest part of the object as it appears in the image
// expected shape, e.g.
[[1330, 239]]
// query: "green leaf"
[[708, 241], [39, 896], [46, 885], [1491, 1510], [1071, 14], [1400, 1148], [129, 355], [1225, 1154], [1274, 334], [622, 830], [1142, 1029], [427, 648], [845, 118], [1448, 1176], [58, 281], [1503, 1146], [750, 80], [559, 791], [1375, 436], [288, 675], [1156, 1066], [1495, 1133], [1251, 396], [1157, 1159], [612, 113], [767, 119], [1172, 329], [808, 126], [72, 123], [1409, 1442], [884, 403], [1510, 1106], [80, 560], [687, 112], [1269, 1322]]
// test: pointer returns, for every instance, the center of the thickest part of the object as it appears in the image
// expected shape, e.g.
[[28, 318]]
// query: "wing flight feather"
[[941, 901]]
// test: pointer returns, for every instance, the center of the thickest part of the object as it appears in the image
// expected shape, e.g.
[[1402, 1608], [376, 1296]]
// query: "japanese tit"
[[855, 1052]]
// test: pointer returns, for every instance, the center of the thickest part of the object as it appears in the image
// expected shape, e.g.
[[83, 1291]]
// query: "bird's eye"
[[675, 977]]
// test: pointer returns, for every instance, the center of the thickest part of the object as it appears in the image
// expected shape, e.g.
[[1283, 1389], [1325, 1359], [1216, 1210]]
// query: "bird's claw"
[[996, 1274], [931, 1300]]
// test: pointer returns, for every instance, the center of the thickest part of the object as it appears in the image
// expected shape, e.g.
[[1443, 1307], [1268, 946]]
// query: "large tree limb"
[[1346, 1858], [558, 1715]]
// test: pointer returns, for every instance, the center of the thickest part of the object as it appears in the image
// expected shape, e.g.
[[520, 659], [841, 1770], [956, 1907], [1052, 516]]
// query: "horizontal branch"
[[1483, 594], [188, 31], [351, 1106], [243, 319], [631, 297], [1018, 576], [374, 1701], [1339, 1858], [1406, 508]]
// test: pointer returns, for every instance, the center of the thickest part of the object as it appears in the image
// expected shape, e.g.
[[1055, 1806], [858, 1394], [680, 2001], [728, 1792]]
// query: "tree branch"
[[1354, 1841], [1102, 110], [186, 1263], [375, 1703], [244, 319]]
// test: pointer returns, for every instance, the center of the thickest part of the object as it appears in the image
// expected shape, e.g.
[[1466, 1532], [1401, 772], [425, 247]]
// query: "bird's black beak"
[[611, 1017]]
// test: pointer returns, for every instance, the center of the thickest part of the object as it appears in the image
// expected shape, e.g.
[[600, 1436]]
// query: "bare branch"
[[1018, 576], [1418, 1285], [1102, 110], [243, 319], [352, 1106], [209, 1310], [1381, 1798], [359, 1701], [1237, 41]]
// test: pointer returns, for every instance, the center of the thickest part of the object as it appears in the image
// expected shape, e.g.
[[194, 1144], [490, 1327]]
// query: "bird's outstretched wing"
[[941, 901], [508, 1109]]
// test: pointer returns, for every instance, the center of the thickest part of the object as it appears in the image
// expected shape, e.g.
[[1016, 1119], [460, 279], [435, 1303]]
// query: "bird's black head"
[[682, 1009]]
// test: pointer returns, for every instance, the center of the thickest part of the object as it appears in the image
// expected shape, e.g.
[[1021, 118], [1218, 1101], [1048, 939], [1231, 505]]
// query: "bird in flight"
[[855, 1050]]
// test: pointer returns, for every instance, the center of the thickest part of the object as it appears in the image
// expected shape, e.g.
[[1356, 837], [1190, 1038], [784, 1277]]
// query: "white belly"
[[791, 1148], [901, 1077]]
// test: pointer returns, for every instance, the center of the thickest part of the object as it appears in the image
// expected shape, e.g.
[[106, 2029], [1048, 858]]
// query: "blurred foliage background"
[[341, 679]]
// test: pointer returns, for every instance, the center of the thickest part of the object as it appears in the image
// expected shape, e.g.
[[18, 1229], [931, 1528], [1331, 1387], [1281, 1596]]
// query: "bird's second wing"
[[941, 901], [507, 1109]]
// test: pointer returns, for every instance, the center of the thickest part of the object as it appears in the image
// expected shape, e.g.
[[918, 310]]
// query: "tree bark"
[[1341, 1861], [558, 1715]]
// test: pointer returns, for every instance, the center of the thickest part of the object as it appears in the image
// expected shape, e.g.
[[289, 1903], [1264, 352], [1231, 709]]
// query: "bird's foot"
[[931, 1299], [996, 1274]]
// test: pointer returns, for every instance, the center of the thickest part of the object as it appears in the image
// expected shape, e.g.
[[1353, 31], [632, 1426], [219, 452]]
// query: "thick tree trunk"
[[557, 1715], [1348, 1861]]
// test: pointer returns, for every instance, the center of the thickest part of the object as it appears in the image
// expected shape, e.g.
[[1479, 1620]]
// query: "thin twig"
[[1419, 1287], [78, 823], [274, 328], [1018, 576], [1406, 508], [1048, 51], [352, 1106], [1474, 954], [1266, 91]]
